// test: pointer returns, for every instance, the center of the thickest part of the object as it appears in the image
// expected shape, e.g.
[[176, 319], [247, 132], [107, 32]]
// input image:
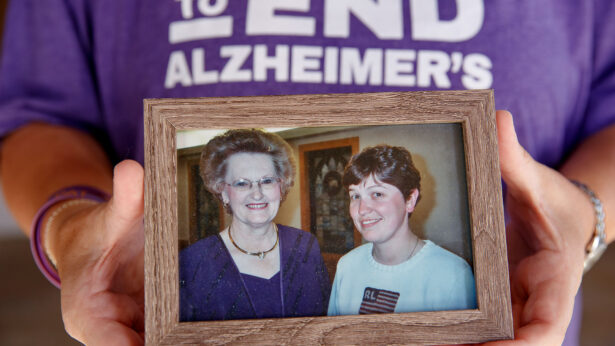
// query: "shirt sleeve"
[[600, 109], [323, 277], [47, 71], [467, 299], [461, 293]]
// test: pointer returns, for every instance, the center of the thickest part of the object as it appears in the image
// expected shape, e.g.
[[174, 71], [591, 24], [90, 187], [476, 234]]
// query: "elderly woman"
[[394, 271], [253, 268]]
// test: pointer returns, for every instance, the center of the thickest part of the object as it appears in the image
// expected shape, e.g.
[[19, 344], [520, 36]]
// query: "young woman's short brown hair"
[[389, 164]]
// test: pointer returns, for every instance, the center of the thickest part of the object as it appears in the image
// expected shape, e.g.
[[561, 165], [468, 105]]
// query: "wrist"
[[597, 243], [54, 238], [53, 222]]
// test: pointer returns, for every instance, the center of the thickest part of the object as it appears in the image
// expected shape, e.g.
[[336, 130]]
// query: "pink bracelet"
[[38, 251]]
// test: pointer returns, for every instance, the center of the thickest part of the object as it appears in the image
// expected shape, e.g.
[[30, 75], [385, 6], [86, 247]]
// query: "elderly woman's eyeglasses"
[[265, 183]]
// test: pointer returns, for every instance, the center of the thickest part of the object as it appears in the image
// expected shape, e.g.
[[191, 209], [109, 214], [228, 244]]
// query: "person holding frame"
[[73, 77], [395, 271], [253, 268]]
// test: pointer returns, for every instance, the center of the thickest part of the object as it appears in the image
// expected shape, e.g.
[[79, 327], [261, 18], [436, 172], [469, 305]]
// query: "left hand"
[[549, 223], [101, 265]]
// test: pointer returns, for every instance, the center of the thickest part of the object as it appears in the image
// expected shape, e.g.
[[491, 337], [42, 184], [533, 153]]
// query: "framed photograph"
[[453, 141]]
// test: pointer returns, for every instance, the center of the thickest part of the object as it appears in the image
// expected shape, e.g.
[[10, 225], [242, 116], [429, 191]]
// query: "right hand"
[[545, 240], [99, 255]]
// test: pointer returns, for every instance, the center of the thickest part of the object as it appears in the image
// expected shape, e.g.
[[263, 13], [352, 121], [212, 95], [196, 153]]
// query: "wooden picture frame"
[[473, 110]]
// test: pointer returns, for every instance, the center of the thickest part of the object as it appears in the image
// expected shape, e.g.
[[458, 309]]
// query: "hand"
[[549, 223], [100, 262]]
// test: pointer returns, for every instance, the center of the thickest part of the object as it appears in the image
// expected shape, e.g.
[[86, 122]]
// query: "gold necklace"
[[409, 256], [260, 254], [414, 248]]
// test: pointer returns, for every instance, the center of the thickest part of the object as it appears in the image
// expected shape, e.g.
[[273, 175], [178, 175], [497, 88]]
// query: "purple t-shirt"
[[90, 64]]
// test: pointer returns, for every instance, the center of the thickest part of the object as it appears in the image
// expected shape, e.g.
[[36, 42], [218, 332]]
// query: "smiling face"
[[379, 210], [256, 206]]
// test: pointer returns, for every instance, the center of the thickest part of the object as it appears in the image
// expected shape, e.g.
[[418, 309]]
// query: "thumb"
[[125, 209], [516, 164]]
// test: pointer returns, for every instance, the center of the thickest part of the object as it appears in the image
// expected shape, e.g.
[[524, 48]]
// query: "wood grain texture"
[[473, 109]]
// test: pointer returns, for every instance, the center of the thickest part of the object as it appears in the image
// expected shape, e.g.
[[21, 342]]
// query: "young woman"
[[394, 271]]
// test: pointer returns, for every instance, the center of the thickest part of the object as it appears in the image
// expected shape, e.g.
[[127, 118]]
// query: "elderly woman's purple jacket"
[[211, 287]]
